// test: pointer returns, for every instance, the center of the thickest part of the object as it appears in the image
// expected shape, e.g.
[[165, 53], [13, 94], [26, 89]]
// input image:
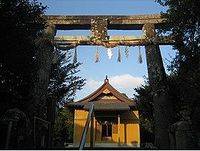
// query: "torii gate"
[[99, 26]]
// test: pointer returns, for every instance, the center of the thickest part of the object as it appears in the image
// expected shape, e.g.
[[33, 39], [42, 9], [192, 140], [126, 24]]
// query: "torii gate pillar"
[[157, 79], [44, 57]]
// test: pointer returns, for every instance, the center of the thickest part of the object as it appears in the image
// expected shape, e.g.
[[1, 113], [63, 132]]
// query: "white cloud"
[[92, 84], [124, 83]]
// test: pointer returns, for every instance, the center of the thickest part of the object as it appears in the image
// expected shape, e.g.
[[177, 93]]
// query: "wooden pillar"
[[118, 128], [94, 134], [92, 131], [157, 79]]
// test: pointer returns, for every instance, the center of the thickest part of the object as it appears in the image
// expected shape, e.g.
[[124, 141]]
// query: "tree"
[[145, 105], [144, 102], [64, 83], [63, 128], [183, 19], [26, 51], [21, 24]]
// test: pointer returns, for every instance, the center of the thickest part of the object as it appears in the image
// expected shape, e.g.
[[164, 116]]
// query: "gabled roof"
[[105, 97]]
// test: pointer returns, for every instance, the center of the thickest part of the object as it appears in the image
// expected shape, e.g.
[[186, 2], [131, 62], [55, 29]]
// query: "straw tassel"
[[139, 55], [75, 55], [126, 51], [119, 55], [109, 53], [97, 56]]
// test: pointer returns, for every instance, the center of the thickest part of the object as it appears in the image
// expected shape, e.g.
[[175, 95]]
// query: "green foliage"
[[21, 23], [144, 101], [22, 26], [184, 84], [63, 127], [64, 81], [183, 17]]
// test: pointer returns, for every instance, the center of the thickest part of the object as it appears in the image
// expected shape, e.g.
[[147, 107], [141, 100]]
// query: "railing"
[[84, 134]]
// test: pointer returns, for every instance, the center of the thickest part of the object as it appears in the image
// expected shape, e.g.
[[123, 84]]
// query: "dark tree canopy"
[[21, 23], [184, 80], [183, 17], [144, 101], [63, 128], [23, 48]]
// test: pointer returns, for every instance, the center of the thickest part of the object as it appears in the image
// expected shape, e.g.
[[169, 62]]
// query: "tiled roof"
[[105, 98]]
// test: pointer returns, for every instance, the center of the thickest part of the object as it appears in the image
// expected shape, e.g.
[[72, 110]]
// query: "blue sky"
[[124, 76]]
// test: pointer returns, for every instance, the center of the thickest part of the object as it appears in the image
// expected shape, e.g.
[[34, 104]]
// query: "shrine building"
[[114, 121]]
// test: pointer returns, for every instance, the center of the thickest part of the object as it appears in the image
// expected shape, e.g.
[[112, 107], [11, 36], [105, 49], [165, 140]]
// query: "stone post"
[[99, 29], [182, 136], [157, 79], [50, 103], [44, 59]]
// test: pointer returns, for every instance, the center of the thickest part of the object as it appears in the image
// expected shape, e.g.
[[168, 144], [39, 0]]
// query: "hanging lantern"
[[75, 55], [119, 59], [109, 53], [126, 51], [97, 56], [139, 55]]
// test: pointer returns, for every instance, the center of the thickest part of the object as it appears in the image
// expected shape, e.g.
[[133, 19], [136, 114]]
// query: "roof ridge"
[[93, 93], [106, 85]]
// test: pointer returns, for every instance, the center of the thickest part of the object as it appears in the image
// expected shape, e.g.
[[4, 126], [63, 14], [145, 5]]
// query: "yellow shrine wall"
[[129, 130], [80, 117]]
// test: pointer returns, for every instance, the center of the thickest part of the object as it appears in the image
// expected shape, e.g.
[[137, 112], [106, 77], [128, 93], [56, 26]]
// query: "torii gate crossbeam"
[[104, 23]]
